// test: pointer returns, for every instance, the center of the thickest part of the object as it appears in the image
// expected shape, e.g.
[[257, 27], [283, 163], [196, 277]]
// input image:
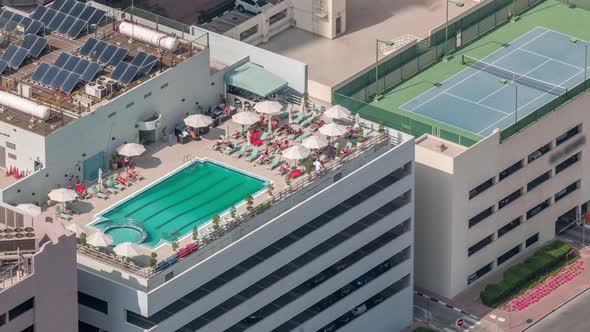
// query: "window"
[[21, 308], [479, 273], [481, 216], [31, 328], [509, 226], [511, 170], [532, 240], [537, 181], [164, 86], [130, 104], [538, 153], [566, 191], [2, 319], [567, 163], [11, 156], [510, 198], [567, 135], [147, 95], [11, 145], [93, 303], [509, 254], [481, 188], [537, 209], [480, 245]]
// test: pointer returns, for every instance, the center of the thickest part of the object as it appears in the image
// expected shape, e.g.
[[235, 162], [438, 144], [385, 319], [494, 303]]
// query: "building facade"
[[483, 206], [338, 253]]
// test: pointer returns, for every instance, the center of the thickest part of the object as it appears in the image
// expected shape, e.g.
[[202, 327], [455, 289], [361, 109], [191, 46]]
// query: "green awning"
[[255, 79]]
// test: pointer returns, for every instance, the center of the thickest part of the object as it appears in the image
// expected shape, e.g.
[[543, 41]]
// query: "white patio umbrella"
[[296, 152], [337, 112], [127, 249], [198, 121], [130, 149], [99, 182], [75, 228], [315, 142], [62, 195], [333, 129], [248, 135], [227, 133], [245, 118], [30, 209], [269, 108], [99, 239], [357, 120]]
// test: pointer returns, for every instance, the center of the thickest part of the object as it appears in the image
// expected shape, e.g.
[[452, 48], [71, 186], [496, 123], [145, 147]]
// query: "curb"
[[556, 308], [449, 306]]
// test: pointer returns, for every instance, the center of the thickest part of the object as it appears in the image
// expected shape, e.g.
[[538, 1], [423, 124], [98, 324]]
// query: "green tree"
[[249, 202], [83, 239], [174, 244], [215, 222], [195, 233], [153, 259]]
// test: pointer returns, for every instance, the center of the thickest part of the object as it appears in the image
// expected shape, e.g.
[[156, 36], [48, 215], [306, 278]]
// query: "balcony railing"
[[373, 143]]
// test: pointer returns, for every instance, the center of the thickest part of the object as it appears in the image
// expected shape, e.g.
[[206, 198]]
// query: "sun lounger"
[[59, 213], [98, 194], [349, 145], [72, 208], [114, 183], [295, 173], [82, 192], [253, 154], [285, 114], [275, 161], [108, 187], [299, 118], [231, 148], [307, 121], [242, 150], [323, 157], [239, 132], [303, 136], [264, 135]]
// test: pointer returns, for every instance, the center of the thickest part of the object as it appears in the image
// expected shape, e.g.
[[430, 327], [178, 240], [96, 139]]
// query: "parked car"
[[361, 309], [253, 6]]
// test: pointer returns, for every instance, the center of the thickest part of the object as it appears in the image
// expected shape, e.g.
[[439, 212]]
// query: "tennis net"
[[510, 75]]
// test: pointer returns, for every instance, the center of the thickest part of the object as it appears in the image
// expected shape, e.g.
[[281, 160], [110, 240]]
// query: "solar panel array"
[[103, 52], [34, 44], [79, 10], [66, 72], [14, 56], [141, 63], [18, 24], [68, 17]]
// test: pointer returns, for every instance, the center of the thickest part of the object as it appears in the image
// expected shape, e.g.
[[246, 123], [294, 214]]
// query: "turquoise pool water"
[[124, 234], [174, 206]]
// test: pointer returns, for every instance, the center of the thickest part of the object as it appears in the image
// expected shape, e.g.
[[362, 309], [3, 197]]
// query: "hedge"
[[521, 275]]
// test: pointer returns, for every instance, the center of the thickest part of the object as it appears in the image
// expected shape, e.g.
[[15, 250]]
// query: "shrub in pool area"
[[153, 259], [174, 244], [195, 233], [215, 222], [520, 276], [249, 202]]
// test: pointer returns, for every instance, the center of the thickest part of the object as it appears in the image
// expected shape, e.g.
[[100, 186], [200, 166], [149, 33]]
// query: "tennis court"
[[536, 68]]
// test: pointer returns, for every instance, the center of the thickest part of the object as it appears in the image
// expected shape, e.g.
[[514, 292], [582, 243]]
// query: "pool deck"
[[159, 160]]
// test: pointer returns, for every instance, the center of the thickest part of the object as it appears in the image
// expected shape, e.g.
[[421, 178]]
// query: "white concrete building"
[[38, 275]]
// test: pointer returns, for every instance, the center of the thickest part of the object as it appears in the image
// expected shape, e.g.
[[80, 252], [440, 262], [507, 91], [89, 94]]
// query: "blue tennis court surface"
[[479, 101]]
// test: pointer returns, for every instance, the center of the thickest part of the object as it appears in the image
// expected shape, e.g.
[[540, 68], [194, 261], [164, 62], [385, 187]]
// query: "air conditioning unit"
[[101, 80], [111, 85], [95, 90]]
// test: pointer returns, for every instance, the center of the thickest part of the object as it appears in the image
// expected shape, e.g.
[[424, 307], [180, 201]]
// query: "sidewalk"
[[519, 320]]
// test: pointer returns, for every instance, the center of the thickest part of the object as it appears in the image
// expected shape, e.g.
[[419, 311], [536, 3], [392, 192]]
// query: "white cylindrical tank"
[[149, 36], [24, 105]]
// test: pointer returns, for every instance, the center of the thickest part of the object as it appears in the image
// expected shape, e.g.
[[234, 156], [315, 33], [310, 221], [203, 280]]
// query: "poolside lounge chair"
[[275, 161], [253, 154], [239, 132], [303, 136], [114, 183], [231, 148], [295, 173], [307, 121], [82, 192], [349, 145], [72, 208], [108, 187], [59, 213], [285, 114], [299, 118], [264, 135], [323, 157], [98, 194], [242, 150]]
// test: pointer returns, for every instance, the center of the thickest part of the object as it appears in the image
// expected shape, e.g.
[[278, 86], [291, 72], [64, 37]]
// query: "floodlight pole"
[[458, 4], [515, 105]]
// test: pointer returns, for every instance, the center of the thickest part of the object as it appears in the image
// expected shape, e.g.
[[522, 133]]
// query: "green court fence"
[[584, 4], [533, 117], [396, 68]]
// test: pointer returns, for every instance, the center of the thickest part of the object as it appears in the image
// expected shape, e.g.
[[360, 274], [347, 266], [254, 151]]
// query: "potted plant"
[[288, 181], [338, 152], [83, 239], [305, 99], [195, 233], [174, 244], [249, 202], [153, 259], [361, 137], [381, 126], [308, 168], [215, 222], [222, 100], [269, 188], [114, 160], [164, 134], [77, 179], [233, 212]]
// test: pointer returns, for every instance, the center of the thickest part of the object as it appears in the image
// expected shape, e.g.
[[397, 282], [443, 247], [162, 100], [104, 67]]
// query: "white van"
[[254, 6]]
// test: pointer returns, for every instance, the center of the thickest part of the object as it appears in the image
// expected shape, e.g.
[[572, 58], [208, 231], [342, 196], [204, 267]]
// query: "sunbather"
[[122, 180]]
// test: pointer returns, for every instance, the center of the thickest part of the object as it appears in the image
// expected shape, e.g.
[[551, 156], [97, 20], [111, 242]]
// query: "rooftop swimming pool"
[[174, 205]]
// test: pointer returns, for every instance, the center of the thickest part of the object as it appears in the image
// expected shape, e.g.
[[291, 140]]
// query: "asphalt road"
[[572, 317]]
